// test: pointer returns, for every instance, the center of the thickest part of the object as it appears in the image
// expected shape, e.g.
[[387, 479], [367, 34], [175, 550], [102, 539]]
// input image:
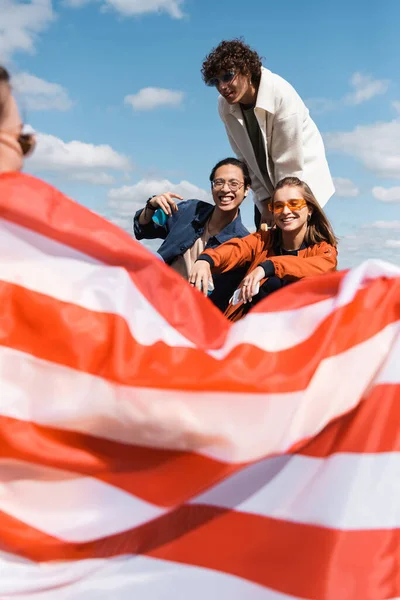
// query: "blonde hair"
[[319, 228]]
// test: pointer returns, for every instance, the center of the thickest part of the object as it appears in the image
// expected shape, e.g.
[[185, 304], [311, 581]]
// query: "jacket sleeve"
[[322, 260], [234, 253], [151, 231], [287, 147], [259, 191]]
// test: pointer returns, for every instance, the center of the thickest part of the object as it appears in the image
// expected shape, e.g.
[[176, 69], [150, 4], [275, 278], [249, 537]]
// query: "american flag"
[[149, 449]]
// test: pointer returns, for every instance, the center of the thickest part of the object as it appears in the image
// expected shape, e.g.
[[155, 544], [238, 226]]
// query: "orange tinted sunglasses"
[[295, 204]]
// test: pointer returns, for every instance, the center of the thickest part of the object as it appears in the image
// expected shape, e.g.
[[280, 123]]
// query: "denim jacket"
[[180, 233]]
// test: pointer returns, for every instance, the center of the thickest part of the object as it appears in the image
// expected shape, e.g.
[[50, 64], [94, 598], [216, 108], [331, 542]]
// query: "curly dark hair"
[[232, 55]]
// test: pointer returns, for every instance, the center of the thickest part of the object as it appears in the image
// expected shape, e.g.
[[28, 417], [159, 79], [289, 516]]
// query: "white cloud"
[[385, 225], [365, 87], [377, 146], [345, 187], [396, 106], [94, 178], [134, 8], [128, 199], [369, 241], [386, 194], [77, 160], [392, 244], [150, 98], [318, 106], [39, 94], [20, 25]]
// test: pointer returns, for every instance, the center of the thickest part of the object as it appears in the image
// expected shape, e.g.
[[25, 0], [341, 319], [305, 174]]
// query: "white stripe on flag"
[[69, 276], [259, 424], [345, 491], [124, 578], [66, 505], [88, 284]]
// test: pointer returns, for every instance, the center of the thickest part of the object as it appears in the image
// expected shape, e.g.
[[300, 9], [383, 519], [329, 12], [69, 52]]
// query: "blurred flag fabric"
[[150, 449]]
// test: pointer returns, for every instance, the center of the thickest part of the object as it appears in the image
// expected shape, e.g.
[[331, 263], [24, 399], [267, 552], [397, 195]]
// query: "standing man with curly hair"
[[268, 124]]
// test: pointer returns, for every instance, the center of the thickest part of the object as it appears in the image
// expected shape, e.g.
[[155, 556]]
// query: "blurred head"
[[14, 145], [234, 69], [295, 208], [230, 183]]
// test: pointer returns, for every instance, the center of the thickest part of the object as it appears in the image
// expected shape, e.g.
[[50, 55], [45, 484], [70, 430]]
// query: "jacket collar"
[[233, 229], [277, 249], [203, 212], [265, 97]]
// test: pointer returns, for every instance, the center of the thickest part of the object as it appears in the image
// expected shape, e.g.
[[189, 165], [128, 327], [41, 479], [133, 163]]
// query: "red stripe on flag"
[[156, 475], [85, 340], [39, 207], [302, 560]]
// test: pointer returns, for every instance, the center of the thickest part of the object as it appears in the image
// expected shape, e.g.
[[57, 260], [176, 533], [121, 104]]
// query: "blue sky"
[[82, 69]]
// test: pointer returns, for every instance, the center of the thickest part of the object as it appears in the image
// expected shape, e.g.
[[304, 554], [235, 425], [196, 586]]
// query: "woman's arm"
[[230, 255], [321, 259], [235, 253]]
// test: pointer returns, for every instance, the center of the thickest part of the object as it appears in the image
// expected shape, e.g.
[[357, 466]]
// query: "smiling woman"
[[192, 226], [301, 245]]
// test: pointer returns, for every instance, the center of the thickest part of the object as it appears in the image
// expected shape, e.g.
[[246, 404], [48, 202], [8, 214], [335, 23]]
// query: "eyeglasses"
[[225, 78], [295, 204], [233, 184]]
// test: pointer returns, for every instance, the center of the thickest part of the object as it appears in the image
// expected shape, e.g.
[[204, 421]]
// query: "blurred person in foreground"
[[14, 144]]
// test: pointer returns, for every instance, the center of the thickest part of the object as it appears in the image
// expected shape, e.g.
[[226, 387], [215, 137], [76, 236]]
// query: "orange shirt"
[[255, 249]]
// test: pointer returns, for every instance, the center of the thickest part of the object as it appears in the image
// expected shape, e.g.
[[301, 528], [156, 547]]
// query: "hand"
[[200, 276], [166, 202], [249, 284]]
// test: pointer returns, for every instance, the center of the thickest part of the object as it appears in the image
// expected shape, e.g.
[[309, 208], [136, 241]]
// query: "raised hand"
[[166, 202]]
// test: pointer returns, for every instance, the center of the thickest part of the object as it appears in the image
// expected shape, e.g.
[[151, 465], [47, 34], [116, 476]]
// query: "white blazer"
[[293, 144]]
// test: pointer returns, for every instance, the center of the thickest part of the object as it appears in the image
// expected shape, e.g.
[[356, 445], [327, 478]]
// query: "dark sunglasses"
[[225, 78], [26, 142]]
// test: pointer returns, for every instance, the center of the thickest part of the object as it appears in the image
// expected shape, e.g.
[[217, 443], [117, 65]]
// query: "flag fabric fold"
[[151, 449]]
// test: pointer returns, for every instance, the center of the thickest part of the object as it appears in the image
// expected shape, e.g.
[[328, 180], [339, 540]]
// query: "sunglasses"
[[225, 78], [295, 204], [27, 143]]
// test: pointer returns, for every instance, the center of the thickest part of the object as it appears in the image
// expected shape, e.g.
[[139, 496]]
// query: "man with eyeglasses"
[[268, 125], [188, 228]]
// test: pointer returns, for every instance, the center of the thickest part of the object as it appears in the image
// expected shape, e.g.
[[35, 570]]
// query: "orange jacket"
[[255, 249]]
